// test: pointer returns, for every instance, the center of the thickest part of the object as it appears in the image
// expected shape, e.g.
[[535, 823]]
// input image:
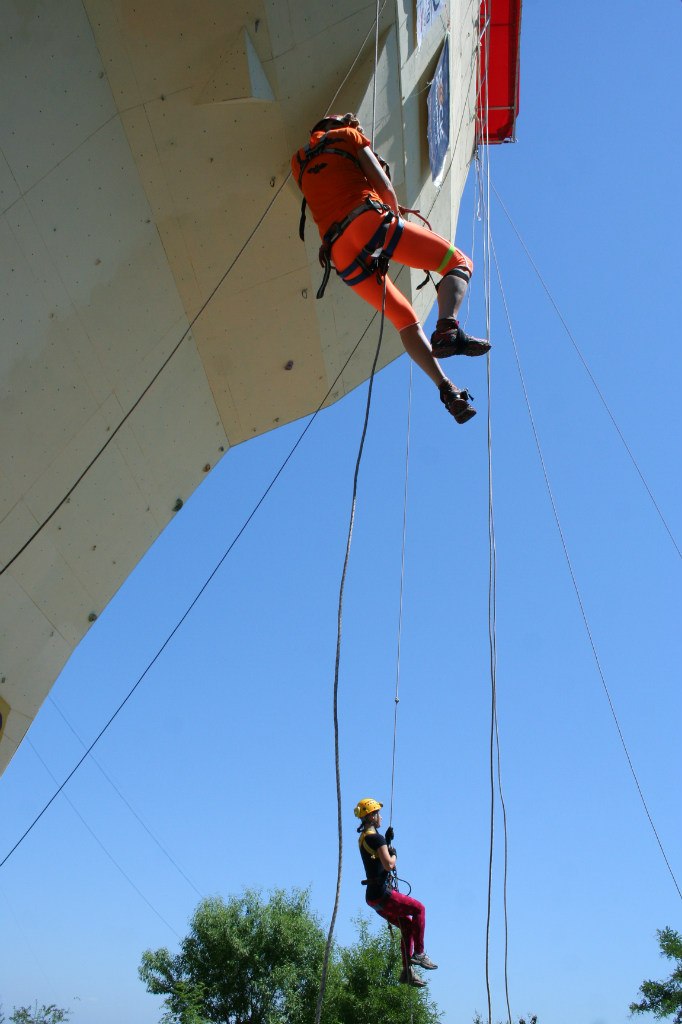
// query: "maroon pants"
[[407, 914]]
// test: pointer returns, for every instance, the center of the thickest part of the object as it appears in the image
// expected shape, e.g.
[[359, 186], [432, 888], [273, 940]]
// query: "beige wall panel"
[[240, 75], [33, 650], [218, 161], [48, 45], [149, 53], [33, 361], [9, 190], [157, 188], [49, 583], [250, 357], [100, 533], [68, 462], [15, 529], [50, 297], [179, 416], [96, 224], [279, 25]]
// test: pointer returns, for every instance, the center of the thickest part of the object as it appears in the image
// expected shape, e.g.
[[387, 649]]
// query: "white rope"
[[374, 79], [495, 766], [574, 581], [396, 699], [589, 373]]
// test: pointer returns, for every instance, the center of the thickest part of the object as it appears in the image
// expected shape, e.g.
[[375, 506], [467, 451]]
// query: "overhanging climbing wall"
[[140, 145]]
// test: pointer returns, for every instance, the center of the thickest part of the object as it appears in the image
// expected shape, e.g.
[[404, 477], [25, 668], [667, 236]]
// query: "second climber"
[[408, 914]]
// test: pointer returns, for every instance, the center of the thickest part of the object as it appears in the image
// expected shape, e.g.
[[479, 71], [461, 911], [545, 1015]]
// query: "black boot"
[[449, 339], [456, 402]]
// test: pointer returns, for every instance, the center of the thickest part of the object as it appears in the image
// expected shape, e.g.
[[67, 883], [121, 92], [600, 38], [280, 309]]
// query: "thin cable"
[[495, 757], [132, 810], [104, 849], [589, 374], [482, 102], [194, 601], [156, 376], [339, 625], [495, 753], [185, 334], [575, 583], [396, 698], [374, 77], [493, 633], [357, 58]]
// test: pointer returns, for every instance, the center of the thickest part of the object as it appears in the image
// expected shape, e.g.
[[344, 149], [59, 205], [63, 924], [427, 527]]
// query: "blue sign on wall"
[[438, 105]]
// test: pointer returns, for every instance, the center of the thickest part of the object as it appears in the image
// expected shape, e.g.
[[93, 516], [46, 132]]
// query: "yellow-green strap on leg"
[[446, 259]]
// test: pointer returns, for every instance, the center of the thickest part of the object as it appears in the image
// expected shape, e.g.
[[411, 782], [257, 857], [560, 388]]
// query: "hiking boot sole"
[[456, 402], [474, 347]]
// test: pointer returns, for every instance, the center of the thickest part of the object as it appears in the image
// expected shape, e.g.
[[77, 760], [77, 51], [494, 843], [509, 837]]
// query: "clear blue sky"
[[226, 748]]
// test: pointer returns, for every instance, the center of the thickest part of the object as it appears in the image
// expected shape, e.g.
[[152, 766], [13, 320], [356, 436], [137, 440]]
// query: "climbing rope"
[[396, 698], [339, 626], [589, 374], [574, 581], [339, 623], [495, 765]]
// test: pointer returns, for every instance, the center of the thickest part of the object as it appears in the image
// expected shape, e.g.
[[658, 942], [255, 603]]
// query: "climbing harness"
[[391, 879], [375, 255], [373, 258]]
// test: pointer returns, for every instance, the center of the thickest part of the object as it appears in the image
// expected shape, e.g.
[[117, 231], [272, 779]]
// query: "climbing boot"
[[422, 960], [449, 339], [410, 977], [456, 402]]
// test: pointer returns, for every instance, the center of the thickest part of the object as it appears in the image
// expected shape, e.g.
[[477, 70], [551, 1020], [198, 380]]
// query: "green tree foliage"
[[37, 1015], [664, 998], [369, 990], [250, 961]]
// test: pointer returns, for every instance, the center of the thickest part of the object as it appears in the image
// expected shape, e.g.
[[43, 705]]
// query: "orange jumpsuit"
[[333, 186]]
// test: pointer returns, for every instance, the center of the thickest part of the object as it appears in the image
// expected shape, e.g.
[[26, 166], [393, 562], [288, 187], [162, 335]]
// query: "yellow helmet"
[[367, 806]]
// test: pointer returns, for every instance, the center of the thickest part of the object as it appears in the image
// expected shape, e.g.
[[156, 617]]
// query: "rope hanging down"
[[396, 698], [337, 762], [495, 765], [574, 581], [590, 375]]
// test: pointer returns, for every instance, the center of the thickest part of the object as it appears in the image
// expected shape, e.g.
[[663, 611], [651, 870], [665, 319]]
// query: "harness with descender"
[[390, 882], [375, 255]]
